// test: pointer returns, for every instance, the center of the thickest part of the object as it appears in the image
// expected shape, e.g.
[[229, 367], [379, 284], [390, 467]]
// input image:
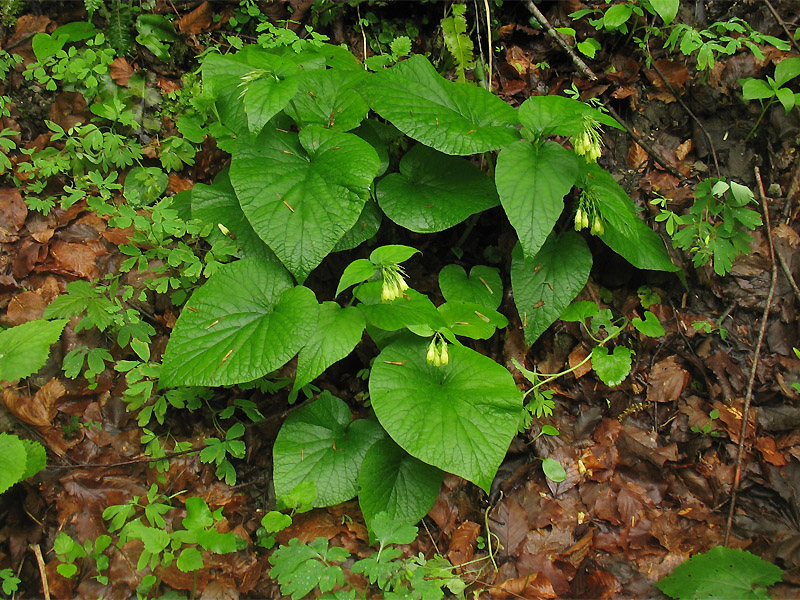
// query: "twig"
[[788, 273], [363, 34], [751, 381], [489, 37], [132, 461], [674, 92], [782, 24], [656, 156], [576, 60], [37, 551]]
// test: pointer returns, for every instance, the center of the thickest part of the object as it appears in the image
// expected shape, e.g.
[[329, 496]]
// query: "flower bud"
[[578, 220], [597, 226], [444, 357], [431, 355]]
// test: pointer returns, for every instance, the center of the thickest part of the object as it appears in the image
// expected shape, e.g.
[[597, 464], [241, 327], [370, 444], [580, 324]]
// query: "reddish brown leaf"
[[198, 20], [39, 410], [637, 156], [667, 381], [575, 357], [13, 211], [533, 586], [74, 259], [24, 307], [121, 71], [68, 109], [509, 522], [179, 184], [602, 585], [769, 450], [462, 543]]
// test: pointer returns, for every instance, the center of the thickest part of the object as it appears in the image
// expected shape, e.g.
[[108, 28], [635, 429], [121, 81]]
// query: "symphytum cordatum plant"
[[311, 136]]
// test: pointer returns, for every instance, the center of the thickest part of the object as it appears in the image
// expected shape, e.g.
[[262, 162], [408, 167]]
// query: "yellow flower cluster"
[[393, 283], [437, 352], [587, 213], [587, 143]]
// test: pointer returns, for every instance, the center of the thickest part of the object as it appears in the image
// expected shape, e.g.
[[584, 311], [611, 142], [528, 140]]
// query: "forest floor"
[[650, 474]]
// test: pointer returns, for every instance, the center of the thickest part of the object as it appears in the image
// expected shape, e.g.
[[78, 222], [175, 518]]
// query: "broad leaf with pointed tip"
[[321, 443], [244, 322], [460, 417], [24, 349], [625, 233], [532, 181], [338, 332], [545, 284], [302, 193], [434, 191], [557, 115], [218, 204], [483, 286], [454, 118], [394, 482], [329, 98]]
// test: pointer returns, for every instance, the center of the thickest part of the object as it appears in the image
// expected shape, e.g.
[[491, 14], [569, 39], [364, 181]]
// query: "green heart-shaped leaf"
[[394, 482], [302, 193], [483, 286], [433, 191], [545, 284], [459, 417], [321, 443], [532, 182], [612, 368], [223, 338], [454, 118]]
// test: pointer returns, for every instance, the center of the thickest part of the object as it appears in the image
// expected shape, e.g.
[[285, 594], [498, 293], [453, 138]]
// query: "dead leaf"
[[667, 381], [121, 71], [74, 259], [683, 150], [509, 522], [68, 109], [13, 211], [24, 307], [576, 356], [532, 586], [198, 20], [770, 452], [179, 184], [39, 410], [637, 156], [463, 542]]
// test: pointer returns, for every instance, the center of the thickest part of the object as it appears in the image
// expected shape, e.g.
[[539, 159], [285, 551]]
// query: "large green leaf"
[[545, 284], [454, 118], [365, 228], [218, 204], [666, 9], [556, 115], [460, 417], [244, 322], [24, 349], [483, 286], [268, 89], [303, 192], [321, 443], [412, 308], [471, 320], [328, 98], [221, 78], [12, 461], [721, 573], [532, 181], [625, 233], [434, 191], [337, 333], [394, 482]]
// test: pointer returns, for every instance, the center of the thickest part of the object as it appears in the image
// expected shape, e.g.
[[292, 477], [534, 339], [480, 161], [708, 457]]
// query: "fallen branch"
[[576, 60], [37, 551], [751, 381]]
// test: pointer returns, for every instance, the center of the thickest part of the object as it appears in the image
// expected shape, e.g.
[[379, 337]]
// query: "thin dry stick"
[[788, 273], [688, 110], [489, 36], [751, 381], [782, 24], [37, 551], [554, 34]]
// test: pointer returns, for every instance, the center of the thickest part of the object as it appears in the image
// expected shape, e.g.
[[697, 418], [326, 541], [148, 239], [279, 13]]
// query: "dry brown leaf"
[[74, 259], [683, 149], [68, 109], [198, 20], [121, 71], [13, 211], [770, 452], [667, 381], [576, 356], [533, 586], [179, 184], [509, 522], [24, 307], [39, 410], [637, 156], [463, 542], [602, 585]]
